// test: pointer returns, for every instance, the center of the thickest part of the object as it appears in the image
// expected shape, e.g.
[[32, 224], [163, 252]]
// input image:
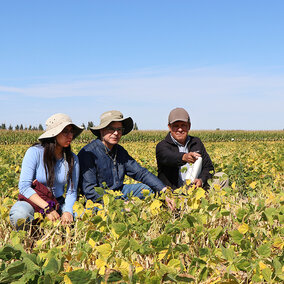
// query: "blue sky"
[[221, 60]]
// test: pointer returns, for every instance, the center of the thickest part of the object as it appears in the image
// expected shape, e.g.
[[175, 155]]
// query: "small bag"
[[44, 193]]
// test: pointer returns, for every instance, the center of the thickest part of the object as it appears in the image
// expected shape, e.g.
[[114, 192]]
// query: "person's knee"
[[21, 210]]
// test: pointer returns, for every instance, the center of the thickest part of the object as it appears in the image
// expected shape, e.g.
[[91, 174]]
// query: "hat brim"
[[126, 122], [55, 131]]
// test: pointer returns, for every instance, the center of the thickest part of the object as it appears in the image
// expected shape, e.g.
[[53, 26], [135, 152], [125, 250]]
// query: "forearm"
[[35, 198], [170, 159], [70, 200]]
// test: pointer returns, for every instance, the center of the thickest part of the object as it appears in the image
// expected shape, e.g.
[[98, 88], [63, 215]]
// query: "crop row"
[[8, 137]]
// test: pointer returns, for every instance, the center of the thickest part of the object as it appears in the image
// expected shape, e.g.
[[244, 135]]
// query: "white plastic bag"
[[194, 170]]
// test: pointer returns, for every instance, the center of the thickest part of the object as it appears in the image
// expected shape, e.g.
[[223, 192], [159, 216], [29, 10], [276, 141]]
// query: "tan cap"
[[56, 123], [111, 116], [178, 114]]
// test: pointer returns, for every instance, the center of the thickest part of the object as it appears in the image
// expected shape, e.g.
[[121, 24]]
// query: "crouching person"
[[179, 151], [104, 161], [47, 168]]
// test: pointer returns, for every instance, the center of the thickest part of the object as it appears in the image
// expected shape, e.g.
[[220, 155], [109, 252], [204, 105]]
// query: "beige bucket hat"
[[56, 123], [110, 116]]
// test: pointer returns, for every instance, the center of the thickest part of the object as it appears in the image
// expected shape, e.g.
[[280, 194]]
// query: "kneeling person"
[[178, 150], [104, 161]]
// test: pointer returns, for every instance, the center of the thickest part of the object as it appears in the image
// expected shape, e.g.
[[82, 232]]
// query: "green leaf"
[[99, 190], [114, 277], [215, 232], [228, 253], [269, 212], [243, 265], [266, 273], [96, 219], [175, 263], [51, 267], [203, 274], [241, 214], [181, 248], [96, 236], [191, 220], [162, 242], [8, 253], [277, 266], [119, 228], [203, 252], [236, 236], [31, 266], [123, 244], [264, 250], [213, 206], [79, 276], [134, 245], [16, 268], [185, 278], [155, 280], [256, 278], [45, 279], [172, 229], [225, 212]]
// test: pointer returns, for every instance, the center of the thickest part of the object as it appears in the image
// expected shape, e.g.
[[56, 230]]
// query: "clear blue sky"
[[222, 60]]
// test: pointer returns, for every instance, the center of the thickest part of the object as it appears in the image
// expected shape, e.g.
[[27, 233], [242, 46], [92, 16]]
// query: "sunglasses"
[[113, 129]]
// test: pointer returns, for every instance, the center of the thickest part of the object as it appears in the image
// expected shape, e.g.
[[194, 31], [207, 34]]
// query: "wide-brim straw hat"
[[56, 123], [111, 116]]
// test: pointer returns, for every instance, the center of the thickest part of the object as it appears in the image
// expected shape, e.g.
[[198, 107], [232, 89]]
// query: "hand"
[[171, 203], [190, 157], [66, 218], [198, 182], [53, 216]]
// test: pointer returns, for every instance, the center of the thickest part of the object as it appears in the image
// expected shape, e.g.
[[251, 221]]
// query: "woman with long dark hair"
[[53, 164]]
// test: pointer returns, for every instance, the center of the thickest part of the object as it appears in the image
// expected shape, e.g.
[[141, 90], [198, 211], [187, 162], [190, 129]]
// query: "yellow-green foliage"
[[231, 235]]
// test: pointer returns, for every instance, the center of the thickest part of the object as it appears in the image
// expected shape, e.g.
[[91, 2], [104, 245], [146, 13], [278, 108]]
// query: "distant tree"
[[135, 126], [83, 125], [40, 127], [30, 127], [3, 126], [90, 124], [17, 127], [21, 127], [10, 127]]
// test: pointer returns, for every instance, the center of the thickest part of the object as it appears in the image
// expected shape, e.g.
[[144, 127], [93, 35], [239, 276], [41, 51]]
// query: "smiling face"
[[65, 137], [111, 134], [179, 131]]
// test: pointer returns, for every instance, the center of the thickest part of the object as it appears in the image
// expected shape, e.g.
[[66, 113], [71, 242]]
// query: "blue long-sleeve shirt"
[[98, 167], [33, 168]]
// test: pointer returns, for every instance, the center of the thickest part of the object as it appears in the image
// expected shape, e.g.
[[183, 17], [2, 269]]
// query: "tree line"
[[40, 127]]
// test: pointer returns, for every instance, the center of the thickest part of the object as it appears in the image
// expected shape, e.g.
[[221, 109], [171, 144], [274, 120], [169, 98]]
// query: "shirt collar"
[[177, 143]]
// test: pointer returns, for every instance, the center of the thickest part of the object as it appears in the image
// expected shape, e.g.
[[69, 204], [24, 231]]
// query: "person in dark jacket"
[[104, 162], [178, 150]]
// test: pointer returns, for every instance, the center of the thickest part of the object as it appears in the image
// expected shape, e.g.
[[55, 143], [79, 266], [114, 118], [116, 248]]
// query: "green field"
[[231, 235]]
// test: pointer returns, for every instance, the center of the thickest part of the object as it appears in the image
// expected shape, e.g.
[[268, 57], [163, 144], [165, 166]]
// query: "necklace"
[[115, 154]]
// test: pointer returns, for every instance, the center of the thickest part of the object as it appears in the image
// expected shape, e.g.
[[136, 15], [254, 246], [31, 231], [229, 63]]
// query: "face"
[[111, 134], [65, 137], [179, 130]]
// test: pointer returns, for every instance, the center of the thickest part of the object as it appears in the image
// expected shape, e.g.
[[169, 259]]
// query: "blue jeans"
[[136, 190], [21, 210], [24, 210]]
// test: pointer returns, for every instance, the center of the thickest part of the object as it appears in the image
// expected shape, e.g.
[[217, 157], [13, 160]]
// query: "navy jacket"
[[169, 161], [97, 167]]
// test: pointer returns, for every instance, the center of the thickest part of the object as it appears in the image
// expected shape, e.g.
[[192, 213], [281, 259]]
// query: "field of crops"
[[230, 235]]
